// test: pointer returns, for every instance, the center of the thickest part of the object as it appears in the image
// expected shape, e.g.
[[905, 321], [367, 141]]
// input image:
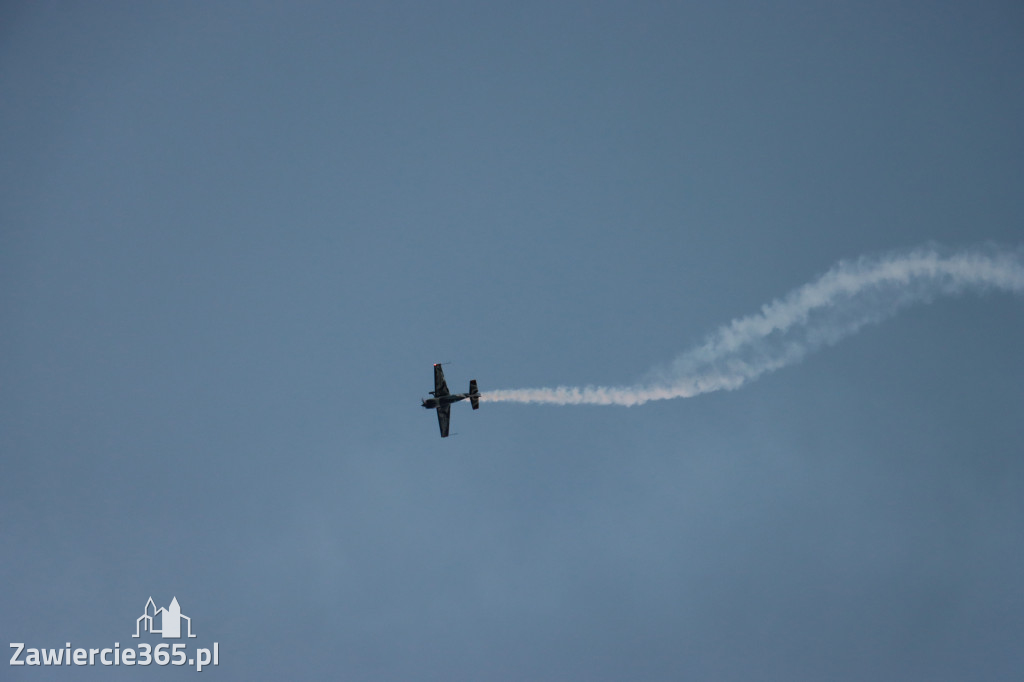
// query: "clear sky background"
[[235, 236]]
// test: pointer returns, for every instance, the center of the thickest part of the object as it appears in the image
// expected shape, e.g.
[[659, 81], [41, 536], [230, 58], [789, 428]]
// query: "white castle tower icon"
[[170, 620]]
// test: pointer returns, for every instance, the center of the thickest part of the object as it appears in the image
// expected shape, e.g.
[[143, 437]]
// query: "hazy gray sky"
[[235, 236]]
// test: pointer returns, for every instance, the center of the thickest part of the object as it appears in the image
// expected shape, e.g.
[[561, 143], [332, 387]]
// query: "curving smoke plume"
[[837, 304]]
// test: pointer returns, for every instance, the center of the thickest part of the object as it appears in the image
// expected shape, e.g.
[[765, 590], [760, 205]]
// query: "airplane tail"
[[474, 395]]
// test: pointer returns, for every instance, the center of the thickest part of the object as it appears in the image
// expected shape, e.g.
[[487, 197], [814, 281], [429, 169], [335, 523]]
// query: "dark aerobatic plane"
[[442, 400]]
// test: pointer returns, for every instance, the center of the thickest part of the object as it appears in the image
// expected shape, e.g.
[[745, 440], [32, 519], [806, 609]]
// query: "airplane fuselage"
[[432, 403]]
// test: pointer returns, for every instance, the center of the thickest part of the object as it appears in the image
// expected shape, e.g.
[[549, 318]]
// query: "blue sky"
[[235, 237]]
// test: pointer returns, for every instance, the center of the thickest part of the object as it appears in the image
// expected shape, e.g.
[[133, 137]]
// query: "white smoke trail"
[[847, 297]]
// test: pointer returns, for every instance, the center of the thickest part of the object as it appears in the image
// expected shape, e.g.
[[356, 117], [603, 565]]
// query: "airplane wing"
[[444, 414], [440, 387]]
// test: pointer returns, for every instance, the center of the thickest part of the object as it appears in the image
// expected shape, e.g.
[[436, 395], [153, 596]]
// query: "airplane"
[[442, 400]]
